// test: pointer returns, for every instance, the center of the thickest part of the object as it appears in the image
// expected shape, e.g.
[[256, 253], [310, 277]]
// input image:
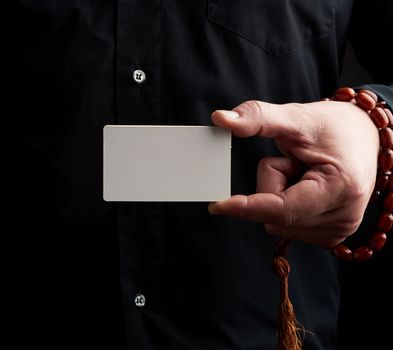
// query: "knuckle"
[[357, 191], [244, 213], [348, 226], [264, 165], [254, 107], [353, 187], [310, 126], [255, 110], [289, 220]]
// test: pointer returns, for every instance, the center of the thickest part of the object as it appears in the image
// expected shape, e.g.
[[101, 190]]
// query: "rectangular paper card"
[[166, 163]]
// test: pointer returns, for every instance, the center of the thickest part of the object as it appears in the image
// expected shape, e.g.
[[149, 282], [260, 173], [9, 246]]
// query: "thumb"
[[260, 118]]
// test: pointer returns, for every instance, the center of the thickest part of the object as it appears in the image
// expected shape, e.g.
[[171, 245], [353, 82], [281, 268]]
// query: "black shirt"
[[168, 275]]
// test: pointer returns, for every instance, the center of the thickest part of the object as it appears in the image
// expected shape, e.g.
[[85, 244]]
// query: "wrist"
[[382, 119]]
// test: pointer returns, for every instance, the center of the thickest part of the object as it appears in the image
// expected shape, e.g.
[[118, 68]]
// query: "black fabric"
[[207, 280]]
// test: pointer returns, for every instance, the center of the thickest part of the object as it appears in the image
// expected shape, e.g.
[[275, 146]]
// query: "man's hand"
[[331, 150]]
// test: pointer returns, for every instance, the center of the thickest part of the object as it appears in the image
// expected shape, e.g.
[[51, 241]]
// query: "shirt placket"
[[138, 62], [137, 83]]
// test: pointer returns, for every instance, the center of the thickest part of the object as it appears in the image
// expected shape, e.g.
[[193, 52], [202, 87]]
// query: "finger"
[[255, 207], [327, 229], [275, 174], [284, 208], [262, 119]]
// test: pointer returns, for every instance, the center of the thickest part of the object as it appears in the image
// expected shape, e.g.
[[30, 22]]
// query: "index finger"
[[306, 199]]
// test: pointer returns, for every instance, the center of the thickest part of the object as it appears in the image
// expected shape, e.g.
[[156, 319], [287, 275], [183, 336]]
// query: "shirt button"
[[139, 300], [139, 76]]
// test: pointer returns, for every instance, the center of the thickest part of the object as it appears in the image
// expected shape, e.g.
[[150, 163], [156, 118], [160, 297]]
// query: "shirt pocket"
[[279, 27]]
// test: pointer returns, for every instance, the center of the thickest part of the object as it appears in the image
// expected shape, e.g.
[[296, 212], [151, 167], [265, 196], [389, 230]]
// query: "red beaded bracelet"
[[383, 120]]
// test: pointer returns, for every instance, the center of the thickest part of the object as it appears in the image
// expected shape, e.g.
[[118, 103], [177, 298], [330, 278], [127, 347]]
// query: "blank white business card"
[[166, 163]]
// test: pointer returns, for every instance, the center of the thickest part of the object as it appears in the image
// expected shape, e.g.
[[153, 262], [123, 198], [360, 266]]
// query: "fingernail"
[[229, 114], [212, 209]]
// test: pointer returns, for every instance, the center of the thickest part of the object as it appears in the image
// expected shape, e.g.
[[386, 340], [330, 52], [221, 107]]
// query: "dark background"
[[367, 291]]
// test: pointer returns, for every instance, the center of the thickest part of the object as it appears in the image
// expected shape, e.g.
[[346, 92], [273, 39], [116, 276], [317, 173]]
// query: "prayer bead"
[[370, 93], [377, 241], [385, 222], [388, 202], [385, 159], [390, 116], [382, 181], [386, 137], [342, 252], [379, 117], [382, 118], [362, 253], [365, 101], [344, 94]]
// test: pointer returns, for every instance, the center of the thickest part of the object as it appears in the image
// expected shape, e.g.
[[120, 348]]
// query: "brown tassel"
[[289, 330]]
